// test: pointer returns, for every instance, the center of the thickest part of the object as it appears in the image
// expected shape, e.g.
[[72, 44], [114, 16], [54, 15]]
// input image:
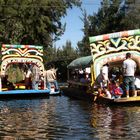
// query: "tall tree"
[[108, 18], [67, 52], [61, 57], [132, 16], [32, 21], [83, 45], [113, 16]]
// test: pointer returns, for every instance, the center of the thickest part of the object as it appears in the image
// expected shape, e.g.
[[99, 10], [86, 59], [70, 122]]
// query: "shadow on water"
[[60, 117]]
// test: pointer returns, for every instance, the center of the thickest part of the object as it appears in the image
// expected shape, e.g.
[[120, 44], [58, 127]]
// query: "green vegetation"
[[15, 73]]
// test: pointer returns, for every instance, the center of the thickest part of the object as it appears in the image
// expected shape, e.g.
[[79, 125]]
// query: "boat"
[[120, 101], [76, 88], [108, 48], [24, 55], [112, 48]]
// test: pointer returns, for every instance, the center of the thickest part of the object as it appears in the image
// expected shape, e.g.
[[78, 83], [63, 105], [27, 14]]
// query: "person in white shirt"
[[28, 81], [129, 68], [104, 73], [50, 75]]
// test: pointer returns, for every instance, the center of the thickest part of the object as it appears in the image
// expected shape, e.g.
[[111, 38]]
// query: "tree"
[[61, 57], [83, 45], [132, 17], [113, 16], [32, 21], [108, 18]]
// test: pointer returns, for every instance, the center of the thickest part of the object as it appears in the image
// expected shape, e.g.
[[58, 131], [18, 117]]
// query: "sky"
[[74, 24]]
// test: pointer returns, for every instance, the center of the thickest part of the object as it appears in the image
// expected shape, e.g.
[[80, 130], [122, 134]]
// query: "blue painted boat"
[[23, 55], [23, 93]]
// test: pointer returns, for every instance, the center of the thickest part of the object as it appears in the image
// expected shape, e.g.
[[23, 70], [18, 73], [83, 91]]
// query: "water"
[[62, 118]]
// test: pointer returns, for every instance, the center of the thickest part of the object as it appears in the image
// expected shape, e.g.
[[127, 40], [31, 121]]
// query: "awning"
[[81, 62]]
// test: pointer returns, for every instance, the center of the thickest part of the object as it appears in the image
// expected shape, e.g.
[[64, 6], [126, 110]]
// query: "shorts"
[[128, 82]]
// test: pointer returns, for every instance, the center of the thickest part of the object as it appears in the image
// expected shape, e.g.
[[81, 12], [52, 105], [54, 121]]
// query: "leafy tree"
[[83, 45], [32, 21], [113, 16], [108, 19], [132, 16], [61, 57]]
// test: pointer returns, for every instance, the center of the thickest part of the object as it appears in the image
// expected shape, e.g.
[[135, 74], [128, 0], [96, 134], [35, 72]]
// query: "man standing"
[[50, 75], [129, 68], [104, 73], [35, 77]]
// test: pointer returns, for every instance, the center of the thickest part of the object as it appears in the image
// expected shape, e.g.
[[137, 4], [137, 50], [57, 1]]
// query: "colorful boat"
[[76, 88], [112, 48], [24, 55], [109, 48]]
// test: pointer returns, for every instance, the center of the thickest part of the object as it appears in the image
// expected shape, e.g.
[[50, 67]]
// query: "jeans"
[[35, 85], [54, 82]]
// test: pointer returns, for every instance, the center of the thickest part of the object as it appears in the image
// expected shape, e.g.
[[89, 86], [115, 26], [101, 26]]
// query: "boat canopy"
[[112, 48], [30, 54], [81, 62]]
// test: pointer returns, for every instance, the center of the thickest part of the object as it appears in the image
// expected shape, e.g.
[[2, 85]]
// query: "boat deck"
[[121, 101], [130, 99]]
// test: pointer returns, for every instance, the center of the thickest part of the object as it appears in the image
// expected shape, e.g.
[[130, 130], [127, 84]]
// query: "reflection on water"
[[116, 122], [63, 118]]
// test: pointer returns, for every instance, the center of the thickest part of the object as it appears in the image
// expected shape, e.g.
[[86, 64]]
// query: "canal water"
[[62, 118]]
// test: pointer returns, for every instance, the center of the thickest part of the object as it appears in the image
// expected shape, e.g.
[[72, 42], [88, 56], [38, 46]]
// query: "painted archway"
[[112, 48], [22, 54]]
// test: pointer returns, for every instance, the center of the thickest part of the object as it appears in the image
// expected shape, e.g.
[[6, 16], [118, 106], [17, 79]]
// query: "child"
[[115, 90], [104, 92]]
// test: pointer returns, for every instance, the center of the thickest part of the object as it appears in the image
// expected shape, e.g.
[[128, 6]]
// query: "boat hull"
[[26, 93], [121, 101], [78, 93]]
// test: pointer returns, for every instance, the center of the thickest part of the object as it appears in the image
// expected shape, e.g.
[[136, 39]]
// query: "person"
[[28, 81], [137, 82], [35, 77], [115, 89], [80, 72], [104, 92], [51, 78], [83, 79], [104, 73], [129, 68], [6, 83]]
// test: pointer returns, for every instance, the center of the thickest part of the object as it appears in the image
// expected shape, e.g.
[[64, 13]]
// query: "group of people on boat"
[[81, 75], [32, 78], [115, 85]]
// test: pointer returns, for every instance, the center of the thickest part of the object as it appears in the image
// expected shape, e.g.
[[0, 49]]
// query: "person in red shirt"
[[115, 89]]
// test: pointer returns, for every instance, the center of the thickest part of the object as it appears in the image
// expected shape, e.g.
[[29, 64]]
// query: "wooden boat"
[[24, 55], [76, 88], [109, 48], [112, 48], [120, 101]]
